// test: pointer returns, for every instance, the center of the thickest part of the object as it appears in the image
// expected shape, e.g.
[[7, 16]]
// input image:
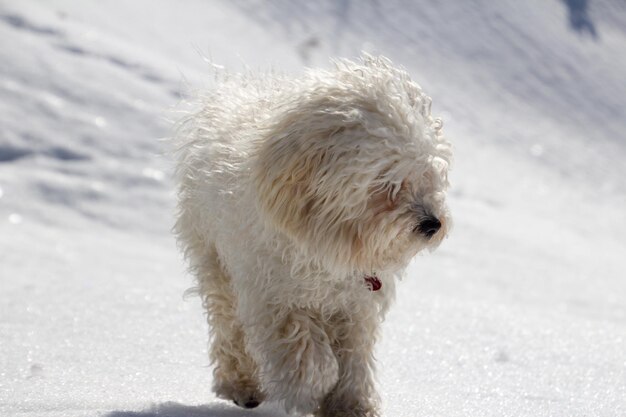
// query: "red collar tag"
[[373, 283]]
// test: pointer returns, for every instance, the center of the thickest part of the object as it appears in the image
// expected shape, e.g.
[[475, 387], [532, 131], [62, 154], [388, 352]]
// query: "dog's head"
[[354, 168]]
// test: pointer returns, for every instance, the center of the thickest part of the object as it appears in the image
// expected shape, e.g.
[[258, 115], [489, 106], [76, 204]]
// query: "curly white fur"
[[291, 191]]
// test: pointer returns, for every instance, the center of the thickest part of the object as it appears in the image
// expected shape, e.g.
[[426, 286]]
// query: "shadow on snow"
[[173, 409]]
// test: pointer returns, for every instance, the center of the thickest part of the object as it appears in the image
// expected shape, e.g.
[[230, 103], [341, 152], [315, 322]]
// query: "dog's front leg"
[[296, 362], [354, 336]]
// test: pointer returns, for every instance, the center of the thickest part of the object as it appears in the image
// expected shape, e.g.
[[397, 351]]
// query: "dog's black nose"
[[429, 226]]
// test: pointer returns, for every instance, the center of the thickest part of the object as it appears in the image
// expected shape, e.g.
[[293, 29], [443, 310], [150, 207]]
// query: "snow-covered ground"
[[522, 311]]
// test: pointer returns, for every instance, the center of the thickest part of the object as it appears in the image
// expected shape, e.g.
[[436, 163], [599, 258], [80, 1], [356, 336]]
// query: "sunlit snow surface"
[[521, 312]]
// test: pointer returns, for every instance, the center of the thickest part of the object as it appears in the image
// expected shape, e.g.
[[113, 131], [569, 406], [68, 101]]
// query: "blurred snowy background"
[[522, 311]]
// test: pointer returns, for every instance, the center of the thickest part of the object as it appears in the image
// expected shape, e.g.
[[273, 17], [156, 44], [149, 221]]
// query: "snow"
[[521, 312]]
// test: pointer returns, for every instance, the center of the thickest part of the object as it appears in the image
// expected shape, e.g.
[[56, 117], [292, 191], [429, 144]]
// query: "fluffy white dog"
[[300, 202]]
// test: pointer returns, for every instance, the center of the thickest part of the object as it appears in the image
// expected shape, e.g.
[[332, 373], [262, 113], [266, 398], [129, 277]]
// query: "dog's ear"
[[283, 175], [309, 183]]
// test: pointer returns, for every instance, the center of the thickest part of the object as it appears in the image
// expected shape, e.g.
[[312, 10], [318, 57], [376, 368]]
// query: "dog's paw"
[[245, 394], [250, 402]]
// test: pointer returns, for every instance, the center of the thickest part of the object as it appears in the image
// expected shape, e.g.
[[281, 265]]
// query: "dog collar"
[[372, 282]]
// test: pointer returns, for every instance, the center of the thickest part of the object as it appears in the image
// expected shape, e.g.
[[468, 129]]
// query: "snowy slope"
[[522, 312]]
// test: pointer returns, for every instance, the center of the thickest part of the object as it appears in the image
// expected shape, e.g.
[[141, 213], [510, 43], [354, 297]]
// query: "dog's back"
[[212, 148]]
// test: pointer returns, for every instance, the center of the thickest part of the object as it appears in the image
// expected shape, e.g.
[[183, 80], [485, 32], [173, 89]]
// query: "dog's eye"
[[383, 197], [394, 193]]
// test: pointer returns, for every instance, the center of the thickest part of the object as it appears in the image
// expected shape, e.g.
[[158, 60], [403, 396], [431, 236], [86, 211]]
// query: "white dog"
[[300, 202]]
